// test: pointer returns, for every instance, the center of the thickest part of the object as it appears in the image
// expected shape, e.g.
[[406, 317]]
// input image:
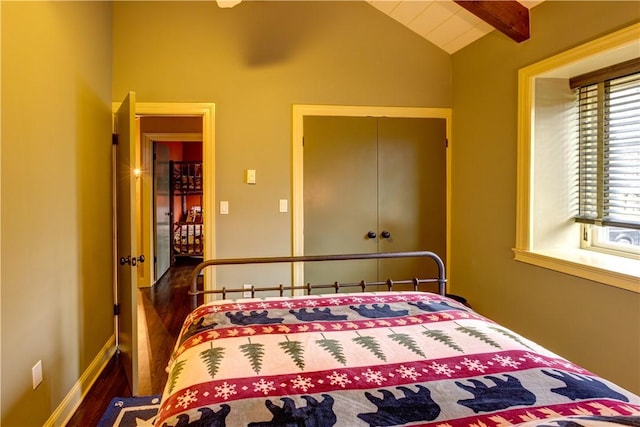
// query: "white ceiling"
[[442, 22]]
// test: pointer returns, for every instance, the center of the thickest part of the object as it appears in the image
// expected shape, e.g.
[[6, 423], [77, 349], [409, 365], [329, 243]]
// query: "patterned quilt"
[[374, 359]]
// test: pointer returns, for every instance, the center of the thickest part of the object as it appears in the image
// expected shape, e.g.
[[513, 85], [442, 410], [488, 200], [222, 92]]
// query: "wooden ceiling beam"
[[508, 16]]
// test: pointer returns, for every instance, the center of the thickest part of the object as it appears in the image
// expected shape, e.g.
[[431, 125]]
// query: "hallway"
[[165, 305]]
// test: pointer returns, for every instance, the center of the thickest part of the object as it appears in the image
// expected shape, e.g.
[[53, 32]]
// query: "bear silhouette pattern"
[[504, 394], [253, 318], [208, 418], [433, 307], [378, 311], [391, 411], [314, 414], [317, 314], [580, 387]]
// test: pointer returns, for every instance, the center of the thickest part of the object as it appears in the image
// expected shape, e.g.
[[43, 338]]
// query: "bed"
[[350, 356], [187, 239], [185, 206]]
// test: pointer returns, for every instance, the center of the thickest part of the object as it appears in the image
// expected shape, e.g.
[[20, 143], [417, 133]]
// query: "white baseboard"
[[76, 395]]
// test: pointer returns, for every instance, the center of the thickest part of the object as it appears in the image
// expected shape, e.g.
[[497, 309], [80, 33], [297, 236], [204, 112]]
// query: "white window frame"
[[592, 240], [546, 234]]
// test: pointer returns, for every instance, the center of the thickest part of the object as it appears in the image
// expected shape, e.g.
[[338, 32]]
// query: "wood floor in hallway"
[[166, 305]]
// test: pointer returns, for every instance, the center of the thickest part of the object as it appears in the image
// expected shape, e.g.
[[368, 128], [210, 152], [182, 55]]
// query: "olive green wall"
[[254, 62], [56, 234], [592, 324]]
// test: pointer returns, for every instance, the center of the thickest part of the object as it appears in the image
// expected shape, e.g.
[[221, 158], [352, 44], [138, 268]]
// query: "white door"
[[127, 255]]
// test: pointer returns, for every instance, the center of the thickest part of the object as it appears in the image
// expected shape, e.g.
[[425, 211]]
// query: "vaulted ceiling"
[[453, 24]]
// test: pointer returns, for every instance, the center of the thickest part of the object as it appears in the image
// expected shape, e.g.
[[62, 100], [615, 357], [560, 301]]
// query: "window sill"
[[607, 269]]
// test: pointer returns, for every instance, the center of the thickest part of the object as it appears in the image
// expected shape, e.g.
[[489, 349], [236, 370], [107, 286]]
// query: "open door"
[[127, 255]]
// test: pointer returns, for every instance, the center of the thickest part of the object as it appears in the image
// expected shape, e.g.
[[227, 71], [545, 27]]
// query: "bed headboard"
[[440, 279]]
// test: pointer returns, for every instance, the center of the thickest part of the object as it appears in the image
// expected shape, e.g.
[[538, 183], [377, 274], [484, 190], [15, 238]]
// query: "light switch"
[[36, 374], [224, 207], [284, 205], [251, 176]]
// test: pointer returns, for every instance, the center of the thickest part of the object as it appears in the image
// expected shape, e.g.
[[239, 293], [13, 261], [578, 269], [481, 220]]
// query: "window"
[[608, 128], [554, 212]]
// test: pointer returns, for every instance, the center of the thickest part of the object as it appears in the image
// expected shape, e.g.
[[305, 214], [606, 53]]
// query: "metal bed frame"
[[194, 292]]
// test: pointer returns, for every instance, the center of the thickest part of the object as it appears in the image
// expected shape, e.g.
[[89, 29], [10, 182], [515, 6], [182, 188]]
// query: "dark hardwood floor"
[[166, 305]]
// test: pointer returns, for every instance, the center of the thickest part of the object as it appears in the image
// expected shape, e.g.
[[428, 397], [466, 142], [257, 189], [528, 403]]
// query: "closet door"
[[411, 193], [340, 195], [385, 176]]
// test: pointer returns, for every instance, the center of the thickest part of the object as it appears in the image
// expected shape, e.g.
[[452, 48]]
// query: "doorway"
[[196, 125], [166, 147]]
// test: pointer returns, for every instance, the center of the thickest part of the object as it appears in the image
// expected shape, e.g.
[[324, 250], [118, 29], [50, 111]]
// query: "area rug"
[[131, 412]]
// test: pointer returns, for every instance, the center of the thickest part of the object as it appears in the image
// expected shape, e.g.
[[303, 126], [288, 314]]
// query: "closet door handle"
[[385, 234], [372, 235]]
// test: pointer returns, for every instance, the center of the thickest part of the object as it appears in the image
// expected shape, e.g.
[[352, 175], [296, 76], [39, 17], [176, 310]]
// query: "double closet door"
[[373, 185]]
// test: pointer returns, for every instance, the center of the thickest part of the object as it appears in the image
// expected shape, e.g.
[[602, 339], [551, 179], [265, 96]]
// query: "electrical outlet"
[[247, 286], [36, 374]]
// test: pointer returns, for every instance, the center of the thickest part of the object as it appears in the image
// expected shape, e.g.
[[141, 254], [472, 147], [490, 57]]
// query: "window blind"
[[609, 152]]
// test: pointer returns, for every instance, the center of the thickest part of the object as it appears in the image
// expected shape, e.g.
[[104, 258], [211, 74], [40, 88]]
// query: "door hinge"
[[114, 139], [446, 143], [116, 309]]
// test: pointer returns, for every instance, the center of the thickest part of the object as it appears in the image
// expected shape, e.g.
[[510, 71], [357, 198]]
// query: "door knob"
[[131, 261], [134, 261], [372, 234], [385, 234]]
